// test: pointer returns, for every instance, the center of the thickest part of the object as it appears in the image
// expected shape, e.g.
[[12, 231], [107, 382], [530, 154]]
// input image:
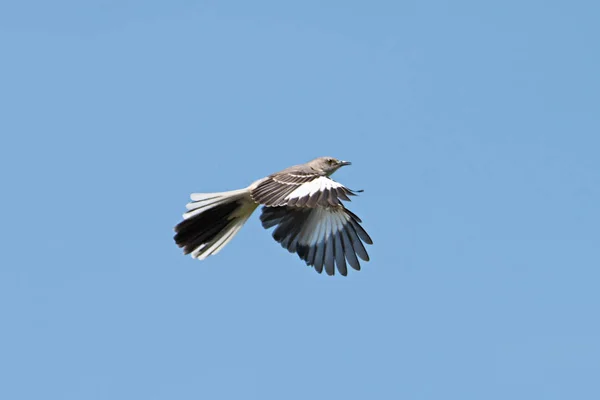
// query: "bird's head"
[[327, 165]]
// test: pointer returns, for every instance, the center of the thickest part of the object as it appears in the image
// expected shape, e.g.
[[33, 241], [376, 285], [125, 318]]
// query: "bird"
[[304, 205]]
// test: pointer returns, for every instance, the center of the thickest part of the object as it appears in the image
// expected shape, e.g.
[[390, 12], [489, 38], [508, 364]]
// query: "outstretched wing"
[[321, 236], [300, 189]]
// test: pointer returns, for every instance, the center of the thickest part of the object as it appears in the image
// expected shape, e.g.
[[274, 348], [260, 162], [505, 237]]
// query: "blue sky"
[[472, 127]]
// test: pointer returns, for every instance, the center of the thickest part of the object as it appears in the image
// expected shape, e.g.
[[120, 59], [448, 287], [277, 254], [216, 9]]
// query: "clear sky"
[[473, 127]]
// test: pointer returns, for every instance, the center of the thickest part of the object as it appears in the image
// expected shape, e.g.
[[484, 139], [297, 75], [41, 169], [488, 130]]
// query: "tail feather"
[[212, 220], [204, 201]]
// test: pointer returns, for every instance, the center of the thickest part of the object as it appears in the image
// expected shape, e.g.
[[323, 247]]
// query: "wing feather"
[[297, 189], [340, 258], [327, 238], [349, 251]]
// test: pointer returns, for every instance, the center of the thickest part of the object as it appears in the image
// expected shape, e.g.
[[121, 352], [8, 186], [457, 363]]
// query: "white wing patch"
[[310, 188], [321, 224], [300, 191]]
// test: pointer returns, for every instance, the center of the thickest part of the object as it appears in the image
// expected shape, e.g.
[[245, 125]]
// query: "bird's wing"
[[321, 236], [300, 189]]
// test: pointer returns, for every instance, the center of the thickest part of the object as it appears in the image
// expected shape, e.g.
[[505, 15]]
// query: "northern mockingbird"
[[301, 201]]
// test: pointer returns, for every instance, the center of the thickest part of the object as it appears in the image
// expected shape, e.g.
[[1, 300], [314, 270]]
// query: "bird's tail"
[[212, 221]]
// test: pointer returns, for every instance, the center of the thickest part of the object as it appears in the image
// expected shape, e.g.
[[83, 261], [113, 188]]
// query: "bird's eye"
[[331, 161]]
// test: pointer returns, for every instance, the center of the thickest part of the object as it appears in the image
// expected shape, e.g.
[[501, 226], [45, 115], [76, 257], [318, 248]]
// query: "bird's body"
[[301, 201]]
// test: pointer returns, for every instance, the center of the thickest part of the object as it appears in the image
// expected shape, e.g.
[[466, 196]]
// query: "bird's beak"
[[342, 163]]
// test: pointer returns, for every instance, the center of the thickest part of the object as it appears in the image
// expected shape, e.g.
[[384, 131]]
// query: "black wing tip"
[[352, 192]]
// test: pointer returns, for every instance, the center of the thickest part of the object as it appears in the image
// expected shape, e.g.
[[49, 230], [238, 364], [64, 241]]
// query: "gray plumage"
[[301, 202]]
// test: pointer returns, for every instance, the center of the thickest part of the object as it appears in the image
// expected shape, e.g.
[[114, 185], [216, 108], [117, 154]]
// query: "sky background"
[[473, 128]]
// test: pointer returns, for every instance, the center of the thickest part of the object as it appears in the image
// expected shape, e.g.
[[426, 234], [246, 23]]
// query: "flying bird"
[[302, 202]]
